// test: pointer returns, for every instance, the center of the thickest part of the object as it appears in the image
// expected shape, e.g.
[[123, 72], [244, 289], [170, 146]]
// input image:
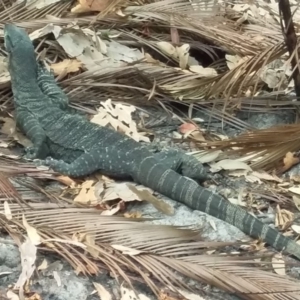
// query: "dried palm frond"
[[15, 187], [14, 167], [14, 12], [267, 147], [157, 253], [9, 192]]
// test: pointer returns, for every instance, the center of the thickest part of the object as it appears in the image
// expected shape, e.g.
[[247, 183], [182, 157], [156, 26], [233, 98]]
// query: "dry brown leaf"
[[66, 66], [234, 60], [41, 32], [34, 296], [207, 157], [4, 74], [159, 204], [151, 60], [28, 257], [278, 264], [78, 237], [121, 190], [168, 295], [295, 178], [289, 160], [229, 164], [238, 173], [66, 180], [3, 144], [128, 294], [102, 292], [190, 296], [237, 201], [11, 295], [167, 48], [284, 184], [9, 128], [77, 9], [196, 135], [183, 55], [7, 210], [43, 265], [31, 232], [119, 117], [188, 133], [296, 228], [265, 176], [213, 224], [205, 72], [274, 78], [252, 178], [113, 210], [57, 278], [91, 244], [295, 190], [187, 127], [296, 201], [80, 45], [133, 215], [94, 5], [87, 194]]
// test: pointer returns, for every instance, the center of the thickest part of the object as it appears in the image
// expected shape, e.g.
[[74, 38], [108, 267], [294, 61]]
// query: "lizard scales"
[[80, 147]]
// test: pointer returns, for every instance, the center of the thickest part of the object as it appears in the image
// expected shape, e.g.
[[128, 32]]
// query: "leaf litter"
[[97, 49], [118, 116]]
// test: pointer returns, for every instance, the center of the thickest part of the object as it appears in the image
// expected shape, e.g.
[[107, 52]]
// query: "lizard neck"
[[23, 66]]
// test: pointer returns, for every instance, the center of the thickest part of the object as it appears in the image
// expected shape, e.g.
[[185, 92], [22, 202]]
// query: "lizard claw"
[[51, 162], [30, 153]]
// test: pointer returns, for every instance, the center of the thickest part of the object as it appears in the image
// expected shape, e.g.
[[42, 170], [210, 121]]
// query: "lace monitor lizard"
[[73, 146]]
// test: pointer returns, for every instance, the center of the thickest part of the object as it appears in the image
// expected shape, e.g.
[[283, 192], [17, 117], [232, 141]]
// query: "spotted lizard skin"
[[76, 147]]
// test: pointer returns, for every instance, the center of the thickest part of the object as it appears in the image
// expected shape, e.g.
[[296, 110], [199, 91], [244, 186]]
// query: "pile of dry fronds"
[[207, 54]]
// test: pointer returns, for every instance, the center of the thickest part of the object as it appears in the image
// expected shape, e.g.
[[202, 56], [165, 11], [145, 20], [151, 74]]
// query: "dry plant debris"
[[152, 249], [141, 52], [119, 118]]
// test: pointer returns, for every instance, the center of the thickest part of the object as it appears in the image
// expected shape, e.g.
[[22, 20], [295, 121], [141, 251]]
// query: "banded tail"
[[184, 190]]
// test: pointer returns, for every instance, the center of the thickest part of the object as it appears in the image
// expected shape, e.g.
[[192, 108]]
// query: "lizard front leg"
[[33, 130], [85, 164], [98, 159], [49, 87]]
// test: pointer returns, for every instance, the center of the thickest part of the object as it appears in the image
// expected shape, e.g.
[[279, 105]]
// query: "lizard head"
[[22, 59], [16, 39]]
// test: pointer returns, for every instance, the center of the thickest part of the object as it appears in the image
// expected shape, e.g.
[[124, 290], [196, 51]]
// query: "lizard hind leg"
[[82, 166], [186, 165]]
